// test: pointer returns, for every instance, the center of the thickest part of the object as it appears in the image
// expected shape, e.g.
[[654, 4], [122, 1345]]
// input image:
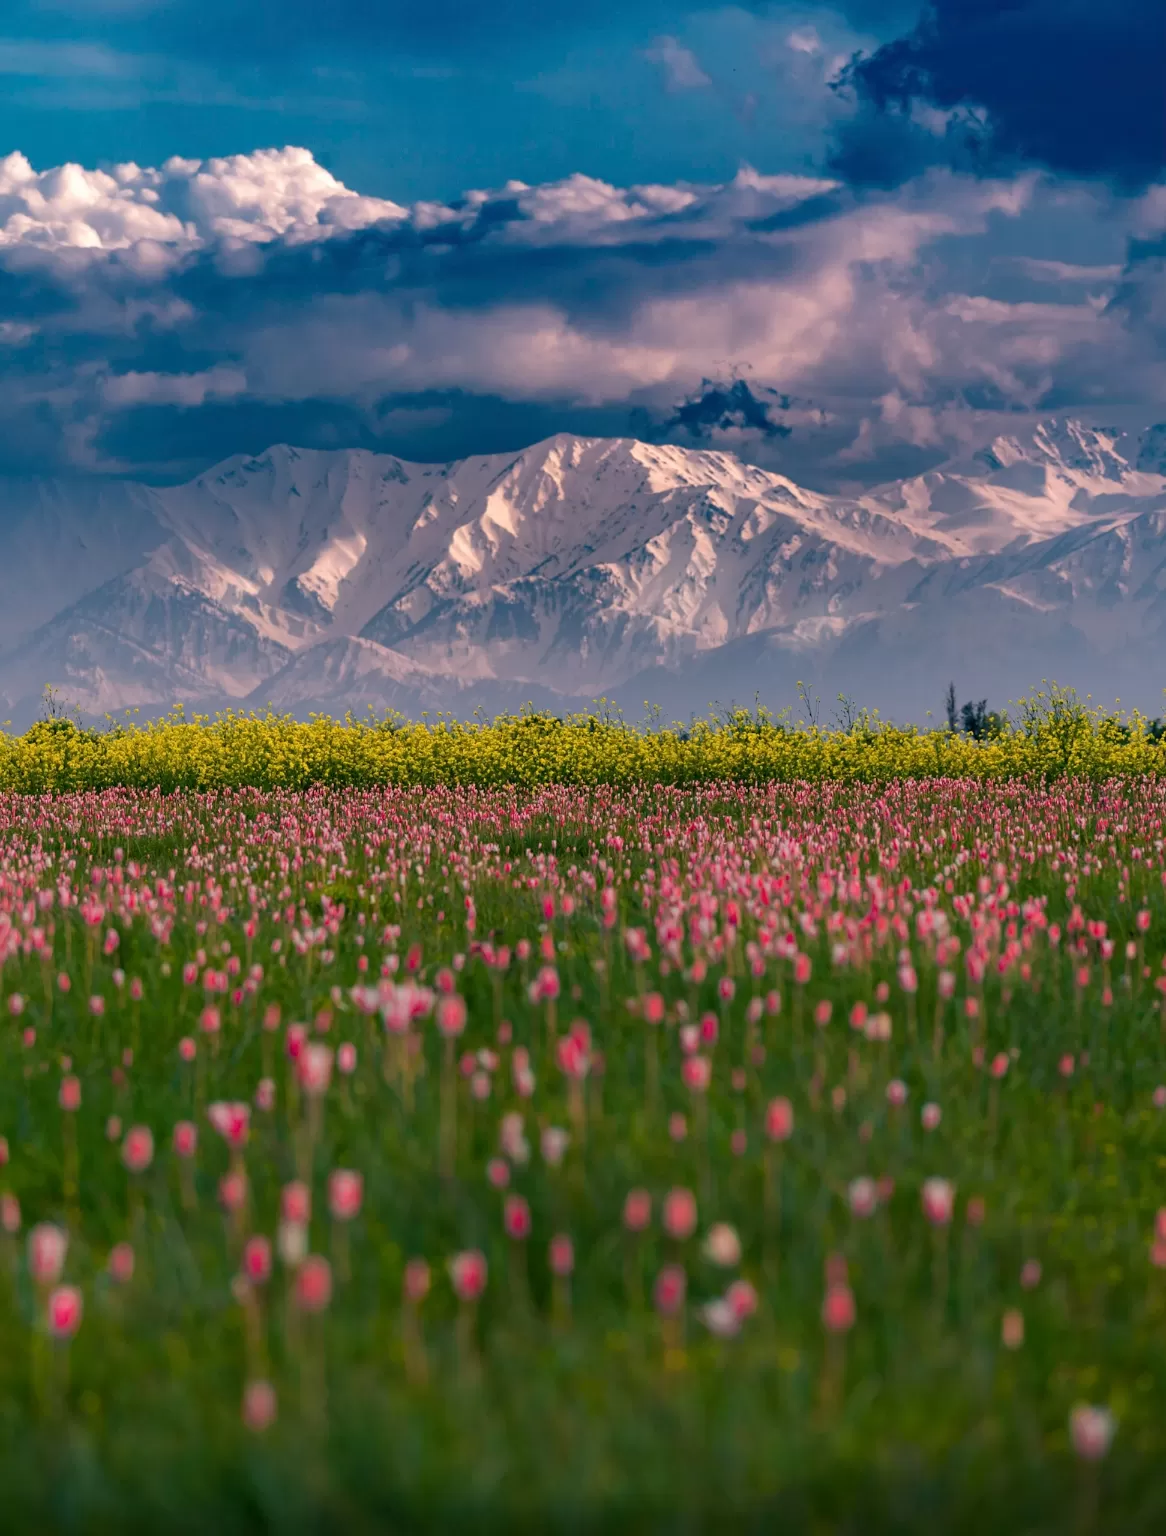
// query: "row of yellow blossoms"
[[1055, 736]]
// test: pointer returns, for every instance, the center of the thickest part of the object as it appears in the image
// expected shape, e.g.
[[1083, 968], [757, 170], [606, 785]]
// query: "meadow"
[[632, 1155], [1050, 734]]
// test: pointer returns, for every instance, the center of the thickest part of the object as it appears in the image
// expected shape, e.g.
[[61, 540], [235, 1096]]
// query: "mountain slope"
[[341, 579]]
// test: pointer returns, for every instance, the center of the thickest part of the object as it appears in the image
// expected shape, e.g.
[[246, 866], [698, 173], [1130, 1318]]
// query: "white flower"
[[1091, 1431], [720, 1318], [722, 1246]]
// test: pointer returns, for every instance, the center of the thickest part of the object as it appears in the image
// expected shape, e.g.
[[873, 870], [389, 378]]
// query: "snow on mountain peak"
[[575, 566]]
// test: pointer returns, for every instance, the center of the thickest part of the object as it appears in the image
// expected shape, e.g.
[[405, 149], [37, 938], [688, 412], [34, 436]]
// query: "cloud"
[[681, 67], [1072, 85], [185, 204], [65, 59], [185, 389], [159, 318]]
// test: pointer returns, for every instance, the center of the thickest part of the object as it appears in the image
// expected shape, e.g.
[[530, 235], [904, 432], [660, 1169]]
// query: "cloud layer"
[[154, 319], [1073, 85]]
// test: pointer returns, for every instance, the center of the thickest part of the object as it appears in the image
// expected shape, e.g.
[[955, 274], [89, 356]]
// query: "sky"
[[843, 241]]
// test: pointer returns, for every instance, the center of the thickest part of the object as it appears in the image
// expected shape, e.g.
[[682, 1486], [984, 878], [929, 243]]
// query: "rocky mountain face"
[[584, 567]]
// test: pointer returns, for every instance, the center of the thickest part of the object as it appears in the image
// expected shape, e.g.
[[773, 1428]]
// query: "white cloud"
[[184, 204], [30, 57], [1046, 271], [896, 316], [188, 389], [682, 69]]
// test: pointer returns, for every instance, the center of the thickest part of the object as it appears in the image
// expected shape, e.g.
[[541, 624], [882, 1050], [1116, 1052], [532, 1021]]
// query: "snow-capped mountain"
[[578, 567]]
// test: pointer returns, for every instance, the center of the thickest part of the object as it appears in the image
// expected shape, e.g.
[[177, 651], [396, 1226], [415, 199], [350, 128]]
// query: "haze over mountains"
[[588, 566]]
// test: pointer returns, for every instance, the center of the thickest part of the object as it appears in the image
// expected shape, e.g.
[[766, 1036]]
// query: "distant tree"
[[949, 704], [980, 722]]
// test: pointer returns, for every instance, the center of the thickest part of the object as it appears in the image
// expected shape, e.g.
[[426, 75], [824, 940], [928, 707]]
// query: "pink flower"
[[561, 1255], [546, 986], [1091, 1431], [938, 1201], [930, 1116], [896, 1093], [722, 1246], [346, 1058], [451, 1016], [185, 1138], [9, 1213], [679, 1216], [863, 1197], [1012, 1329], [259, 1406], [697, 1072], [47, 1246], [257, 1260], [637, 1210], [265, 1095], [296, 1202], [669, 1290], [69, 1096], [137, 1151], [345, 1193], [314, 1068], [121, 1263], [187, 1048], [416, 1281], [779, 1120], [742, 1299], [1030, 1274], [64, 1310], [838, 1310], [314, 1284], [516, 1218], [233, 1190], [468, 1273], [232, 1121]]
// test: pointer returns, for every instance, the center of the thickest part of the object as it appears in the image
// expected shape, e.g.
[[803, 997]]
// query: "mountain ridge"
[[585, 566]]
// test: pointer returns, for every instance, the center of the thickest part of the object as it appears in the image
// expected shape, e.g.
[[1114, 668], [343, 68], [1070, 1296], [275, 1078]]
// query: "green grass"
[[605, 1423]]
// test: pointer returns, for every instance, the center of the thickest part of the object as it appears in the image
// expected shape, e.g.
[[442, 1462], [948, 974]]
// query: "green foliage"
[[1053, 734]]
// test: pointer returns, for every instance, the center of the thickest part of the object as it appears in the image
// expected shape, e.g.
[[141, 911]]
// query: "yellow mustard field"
[[1053, 734]]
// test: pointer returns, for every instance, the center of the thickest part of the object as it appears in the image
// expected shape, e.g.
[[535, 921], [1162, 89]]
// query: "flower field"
[[774, 1156], [1055, 734]]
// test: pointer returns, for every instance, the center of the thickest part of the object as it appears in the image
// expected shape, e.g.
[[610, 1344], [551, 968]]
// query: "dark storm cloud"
[[1074, 85]]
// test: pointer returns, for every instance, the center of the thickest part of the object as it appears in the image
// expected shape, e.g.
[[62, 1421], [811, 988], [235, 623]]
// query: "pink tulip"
[[64, 1310]]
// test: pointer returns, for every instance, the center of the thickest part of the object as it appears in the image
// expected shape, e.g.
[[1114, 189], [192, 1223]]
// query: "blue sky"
[[897, 222], [410, 100]]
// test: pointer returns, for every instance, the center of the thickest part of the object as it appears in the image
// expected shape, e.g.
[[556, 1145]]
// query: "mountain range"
[[579, 567]]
